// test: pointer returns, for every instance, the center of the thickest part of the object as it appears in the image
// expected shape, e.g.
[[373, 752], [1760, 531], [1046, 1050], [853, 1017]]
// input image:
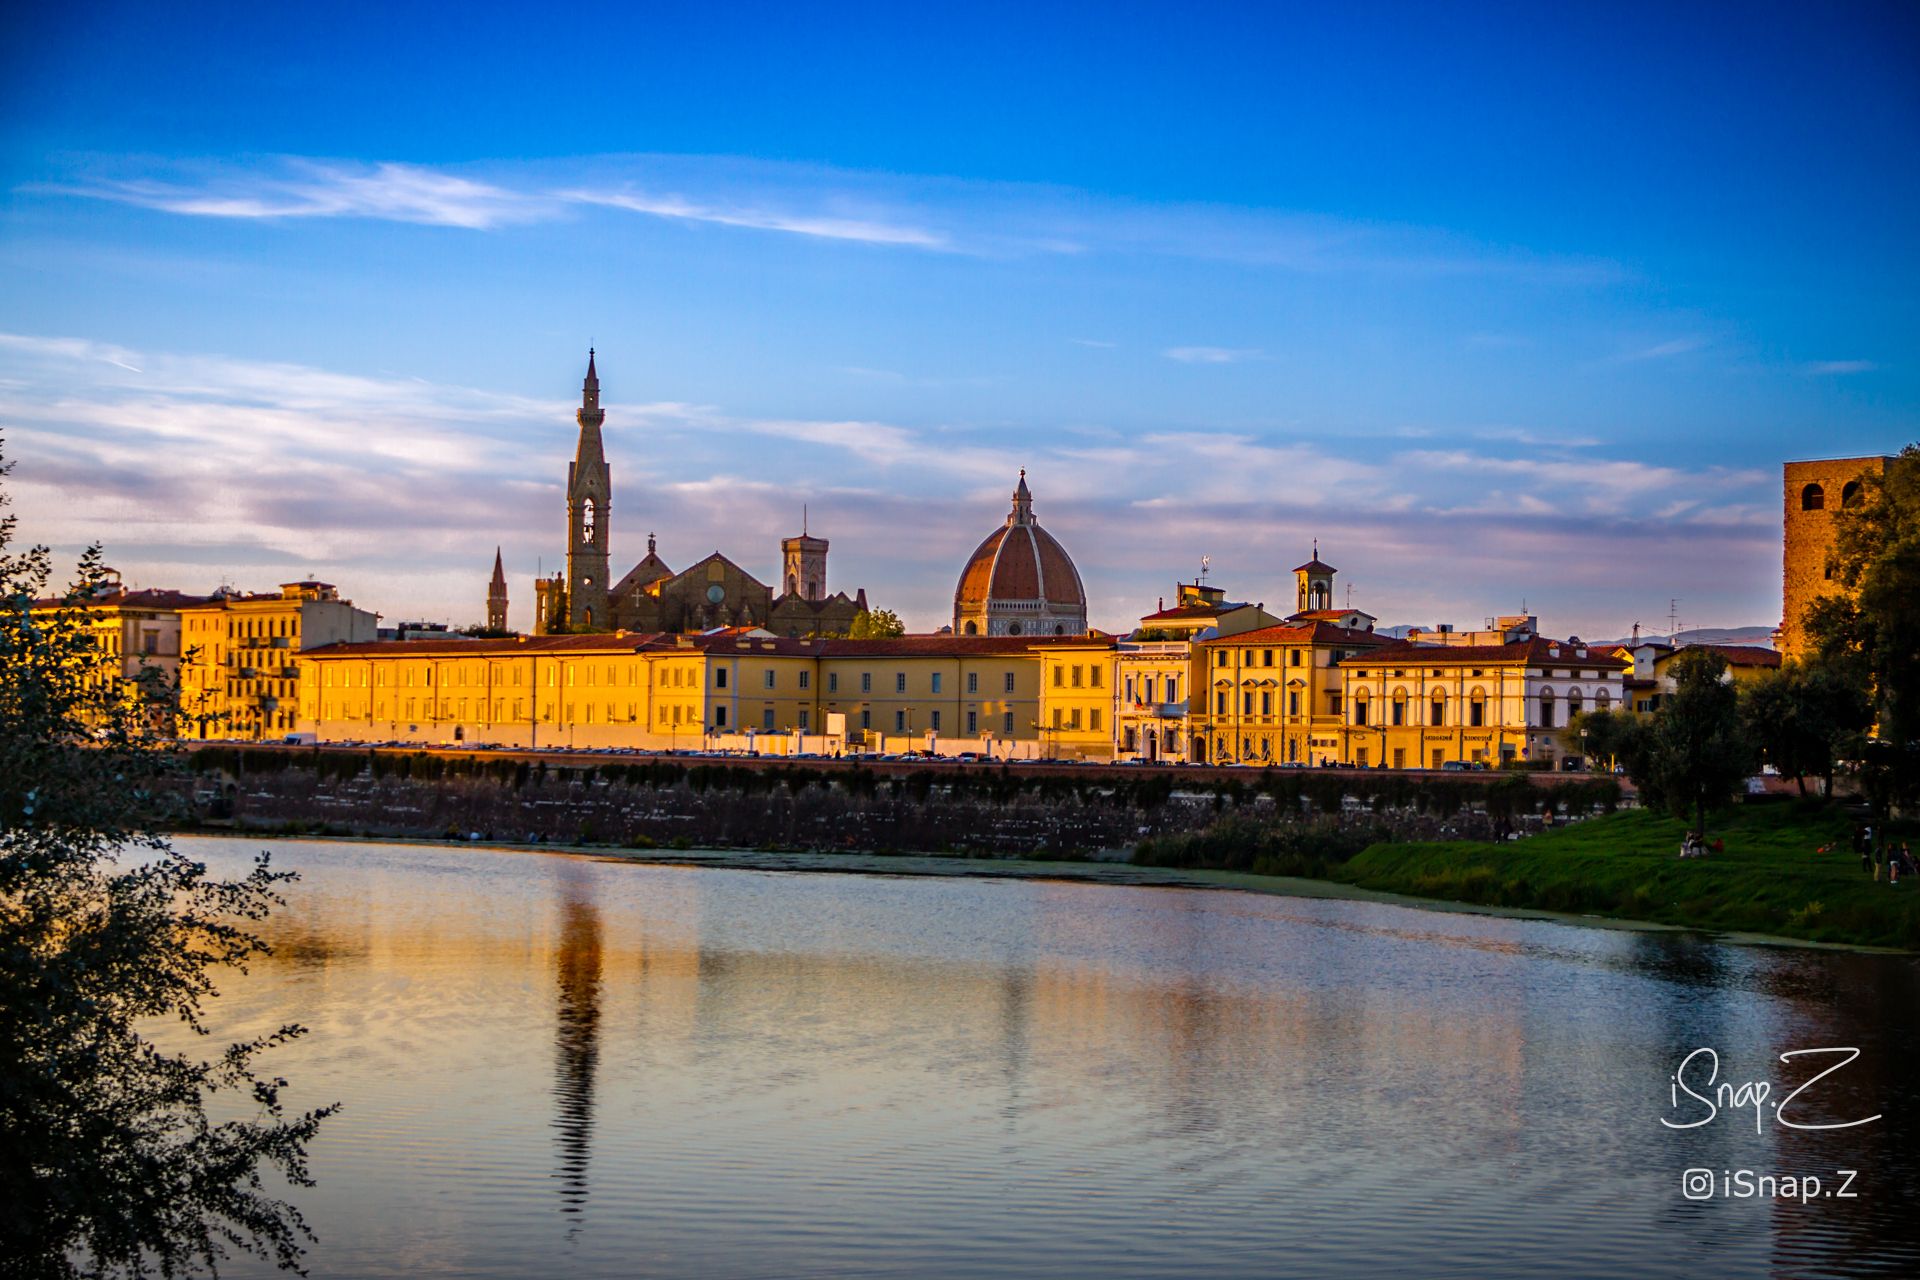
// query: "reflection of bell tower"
[[577, 1037], [1315, 583], [589, 508], [803, 570]]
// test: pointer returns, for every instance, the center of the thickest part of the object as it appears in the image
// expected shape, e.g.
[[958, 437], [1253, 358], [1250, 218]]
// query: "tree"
[[1803, 718], [1876, 632], [1618, 737], [876, 624], [1698, 751], [109, 1162]]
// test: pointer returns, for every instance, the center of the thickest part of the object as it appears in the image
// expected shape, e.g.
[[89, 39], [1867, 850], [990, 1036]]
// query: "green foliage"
[[1877, 634], [876, 624], [109, 1162], [1240, 843], [1788, 870], [1614, 738], [1803, 717], [1698, 753]]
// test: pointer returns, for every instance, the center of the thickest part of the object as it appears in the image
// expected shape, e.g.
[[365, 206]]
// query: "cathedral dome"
[[1020, 581]]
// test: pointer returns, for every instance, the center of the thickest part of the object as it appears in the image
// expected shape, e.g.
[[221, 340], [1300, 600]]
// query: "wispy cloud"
[[1662, 350], [863, 230], [894, 211], [199, 467], [1838, 368], [1213, 355], [1091, 342]]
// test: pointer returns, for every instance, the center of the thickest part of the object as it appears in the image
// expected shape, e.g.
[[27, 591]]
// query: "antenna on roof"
[[1206, 562]]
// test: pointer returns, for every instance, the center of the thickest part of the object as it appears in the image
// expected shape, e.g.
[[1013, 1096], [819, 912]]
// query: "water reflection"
[[759, 1074], [576, 1036]]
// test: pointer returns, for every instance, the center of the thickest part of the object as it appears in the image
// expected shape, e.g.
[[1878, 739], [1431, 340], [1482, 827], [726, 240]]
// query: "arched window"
[[1399, 706], [1059, 628], [1813, 498], [1477, 709], [971, 629], [1439, 709], [793, 585], [1360, 707], [587, 514], [1546, 708], [1852, 495], [1602, 700], [1573, 703]]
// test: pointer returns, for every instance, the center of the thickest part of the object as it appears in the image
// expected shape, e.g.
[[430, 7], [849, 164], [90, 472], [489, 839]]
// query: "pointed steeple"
[[497, 595], [1022, 502], [499, 571]]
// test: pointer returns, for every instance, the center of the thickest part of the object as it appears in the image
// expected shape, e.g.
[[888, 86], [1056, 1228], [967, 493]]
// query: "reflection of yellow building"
[[241, 674], [682, 691]]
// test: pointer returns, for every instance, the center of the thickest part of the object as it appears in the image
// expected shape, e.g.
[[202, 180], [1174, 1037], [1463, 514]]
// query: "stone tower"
[[1814, 493], [589, 512], [1315, 584], [497, 596], [803, 572]]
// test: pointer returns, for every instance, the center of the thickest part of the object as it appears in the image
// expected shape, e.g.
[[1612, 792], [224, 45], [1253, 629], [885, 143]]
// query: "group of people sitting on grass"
[[1694, 845]]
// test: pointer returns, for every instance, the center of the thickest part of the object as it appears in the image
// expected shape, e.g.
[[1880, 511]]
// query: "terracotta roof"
[[1303, 633], [499, 646], [1315, 565], [1195, 611], [1737, 655], [145, 598], [1020, 562], [1534, 652], [955, 646], [1324, 615]]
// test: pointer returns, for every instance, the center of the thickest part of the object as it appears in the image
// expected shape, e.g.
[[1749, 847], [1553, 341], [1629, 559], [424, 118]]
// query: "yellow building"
[[241, 657], [1276, 695], [1814, 492], [1077, 699], [1157, 669], [135, 635], [738, 688], [1419, 706]]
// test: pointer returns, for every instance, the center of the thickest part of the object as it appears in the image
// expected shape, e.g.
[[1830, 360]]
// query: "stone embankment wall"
[[983, 810]]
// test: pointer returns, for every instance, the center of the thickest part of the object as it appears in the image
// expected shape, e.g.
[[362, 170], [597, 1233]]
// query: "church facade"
[[652, 597]]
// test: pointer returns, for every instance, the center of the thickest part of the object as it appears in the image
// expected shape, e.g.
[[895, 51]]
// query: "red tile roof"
[[1534, 652], [1302, 633], [1184, 611]]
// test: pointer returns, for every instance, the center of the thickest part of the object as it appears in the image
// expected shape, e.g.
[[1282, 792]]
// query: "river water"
[[561, 1066]]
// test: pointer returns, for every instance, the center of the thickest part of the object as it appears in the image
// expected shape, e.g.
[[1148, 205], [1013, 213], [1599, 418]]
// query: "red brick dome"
[[1019, 569]]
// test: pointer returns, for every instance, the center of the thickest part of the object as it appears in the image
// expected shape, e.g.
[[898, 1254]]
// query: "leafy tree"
[[1698, 751], [1876, 633], [1804, 718], [876, 624], [109, 1162], [1617, 737]]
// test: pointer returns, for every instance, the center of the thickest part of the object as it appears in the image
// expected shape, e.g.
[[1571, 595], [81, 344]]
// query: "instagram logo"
[[1697, 1184]]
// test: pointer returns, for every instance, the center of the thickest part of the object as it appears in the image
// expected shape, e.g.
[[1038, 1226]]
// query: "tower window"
[[587, 526], [1813, 498], [1852, 495]]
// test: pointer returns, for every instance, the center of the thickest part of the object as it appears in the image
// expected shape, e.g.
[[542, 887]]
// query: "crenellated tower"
[[589, 512]]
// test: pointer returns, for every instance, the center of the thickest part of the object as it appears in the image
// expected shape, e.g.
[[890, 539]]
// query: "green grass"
[[1626, 865]]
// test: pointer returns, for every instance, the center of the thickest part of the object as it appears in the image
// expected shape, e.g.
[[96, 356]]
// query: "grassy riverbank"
[[1770, 879]]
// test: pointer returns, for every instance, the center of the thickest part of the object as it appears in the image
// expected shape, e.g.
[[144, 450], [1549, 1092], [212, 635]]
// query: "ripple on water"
[[558, 1066]]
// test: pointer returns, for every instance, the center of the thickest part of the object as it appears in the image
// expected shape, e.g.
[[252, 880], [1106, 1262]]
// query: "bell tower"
[[589, 508], [803, 572], [497, 596], [1315, 583]]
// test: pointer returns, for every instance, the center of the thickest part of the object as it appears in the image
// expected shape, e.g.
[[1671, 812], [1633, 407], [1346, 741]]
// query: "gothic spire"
[[499, 571]]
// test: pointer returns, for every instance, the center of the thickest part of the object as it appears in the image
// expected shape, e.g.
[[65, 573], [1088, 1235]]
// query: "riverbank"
[[1371, 876], [1772, 879]]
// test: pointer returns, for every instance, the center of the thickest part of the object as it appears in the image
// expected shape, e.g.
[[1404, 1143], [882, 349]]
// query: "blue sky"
[[1502, 304]]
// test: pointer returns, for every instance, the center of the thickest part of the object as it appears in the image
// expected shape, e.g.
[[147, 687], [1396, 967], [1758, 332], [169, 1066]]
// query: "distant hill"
[[1759, 636]]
